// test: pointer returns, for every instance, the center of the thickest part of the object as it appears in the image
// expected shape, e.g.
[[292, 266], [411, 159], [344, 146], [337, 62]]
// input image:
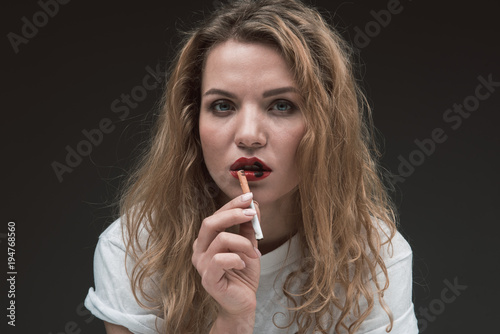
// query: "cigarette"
[[255, 219]]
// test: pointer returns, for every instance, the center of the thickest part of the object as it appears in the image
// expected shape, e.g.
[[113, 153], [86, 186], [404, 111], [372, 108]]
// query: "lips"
[[255, 169]]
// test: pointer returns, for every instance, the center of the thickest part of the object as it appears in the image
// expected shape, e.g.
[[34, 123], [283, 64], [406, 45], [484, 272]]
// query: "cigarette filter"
[[255, 219]]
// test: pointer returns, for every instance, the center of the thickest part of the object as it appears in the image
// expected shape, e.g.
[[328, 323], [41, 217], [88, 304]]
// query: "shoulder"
[[395, 249], [116, 235], [112, 299], [397, 256], [112, 251], [113, 235], [110, 255]]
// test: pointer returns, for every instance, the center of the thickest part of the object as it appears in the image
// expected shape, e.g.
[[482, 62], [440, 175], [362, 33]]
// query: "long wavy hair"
[[344, 205]]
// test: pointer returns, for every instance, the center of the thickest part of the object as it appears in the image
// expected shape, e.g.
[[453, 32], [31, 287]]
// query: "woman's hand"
[[229, 263]]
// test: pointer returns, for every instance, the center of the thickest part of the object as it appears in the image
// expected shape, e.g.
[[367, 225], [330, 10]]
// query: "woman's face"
[[249, 119]]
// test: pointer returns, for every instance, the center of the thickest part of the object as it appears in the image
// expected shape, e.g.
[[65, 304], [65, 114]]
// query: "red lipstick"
[[254, 168]]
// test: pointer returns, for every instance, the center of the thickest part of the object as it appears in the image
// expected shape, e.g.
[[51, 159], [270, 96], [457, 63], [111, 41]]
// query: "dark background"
[[64, 79]]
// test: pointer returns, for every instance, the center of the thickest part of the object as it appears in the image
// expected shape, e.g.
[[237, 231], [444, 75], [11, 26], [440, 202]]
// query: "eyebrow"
[[268, 93], [280, 91], [216, 91]]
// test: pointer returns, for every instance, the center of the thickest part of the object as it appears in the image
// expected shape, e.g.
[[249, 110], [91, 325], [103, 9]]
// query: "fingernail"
[[244, 264], [257, 251], [246, 196], [249, 212]]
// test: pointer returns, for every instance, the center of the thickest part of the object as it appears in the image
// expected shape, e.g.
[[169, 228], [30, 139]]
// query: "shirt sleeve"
[[398, 296], [113, 300]]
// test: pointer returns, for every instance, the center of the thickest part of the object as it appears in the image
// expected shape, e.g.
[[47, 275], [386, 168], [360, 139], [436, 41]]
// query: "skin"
[[249, 118], [249, 107], [115, 329], [269, 128]]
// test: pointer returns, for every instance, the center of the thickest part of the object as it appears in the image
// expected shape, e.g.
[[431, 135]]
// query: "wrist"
[[230, 324]]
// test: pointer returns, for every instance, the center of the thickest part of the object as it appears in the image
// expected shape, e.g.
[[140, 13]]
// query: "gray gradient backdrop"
[[68, 73]]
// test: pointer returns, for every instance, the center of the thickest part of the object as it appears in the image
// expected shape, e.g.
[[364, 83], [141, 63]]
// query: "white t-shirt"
[[113, 301]]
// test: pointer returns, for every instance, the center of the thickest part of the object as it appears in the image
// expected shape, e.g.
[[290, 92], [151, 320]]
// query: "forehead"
[[249, 64]]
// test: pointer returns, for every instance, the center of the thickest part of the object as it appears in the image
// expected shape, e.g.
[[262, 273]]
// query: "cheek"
[[291, 141], [204, 138], [212, 141], [205, 144], [206, 131]]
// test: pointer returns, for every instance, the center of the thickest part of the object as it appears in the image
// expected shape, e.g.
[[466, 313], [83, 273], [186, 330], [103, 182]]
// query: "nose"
[[250, 129]]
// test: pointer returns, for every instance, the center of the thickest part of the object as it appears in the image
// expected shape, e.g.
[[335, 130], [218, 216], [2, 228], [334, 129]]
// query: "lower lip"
[[250, 175]]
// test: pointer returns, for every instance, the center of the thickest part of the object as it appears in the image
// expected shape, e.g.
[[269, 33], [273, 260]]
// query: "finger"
[[242, 201], [247, 230], [219, 222], [218, 265], [228, 242]]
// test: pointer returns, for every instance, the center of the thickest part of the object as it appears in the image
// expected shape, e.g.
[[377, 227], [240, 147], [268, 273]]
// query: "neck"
[[279, 221]]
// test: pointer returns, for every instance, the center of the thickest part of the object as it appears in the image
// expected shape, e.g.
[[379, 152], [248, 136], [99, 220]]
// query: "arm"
[[113, 300], [115, 329]]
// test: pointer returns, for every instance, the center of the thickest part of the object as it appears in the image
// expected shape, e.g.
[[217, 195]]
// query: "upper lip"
[[253, 161]]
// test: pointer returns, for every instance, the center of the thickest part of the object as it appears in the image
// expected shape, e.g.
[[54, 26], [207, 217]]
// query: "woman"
[[265, 86]]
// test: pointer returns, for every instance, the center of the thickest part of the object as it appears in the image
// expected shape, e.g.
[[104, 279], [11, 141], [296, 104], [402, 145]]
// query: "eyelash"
[[290, 107]]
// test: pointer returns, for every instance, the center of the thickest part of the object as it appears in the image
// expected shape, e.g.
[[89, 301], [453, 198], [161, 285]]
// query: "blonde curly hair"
[[340, 193]]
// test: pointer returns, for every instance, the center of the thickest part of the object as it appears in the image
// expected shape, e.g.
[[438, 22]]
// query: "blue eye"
[[221, 107], [283, 107]]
